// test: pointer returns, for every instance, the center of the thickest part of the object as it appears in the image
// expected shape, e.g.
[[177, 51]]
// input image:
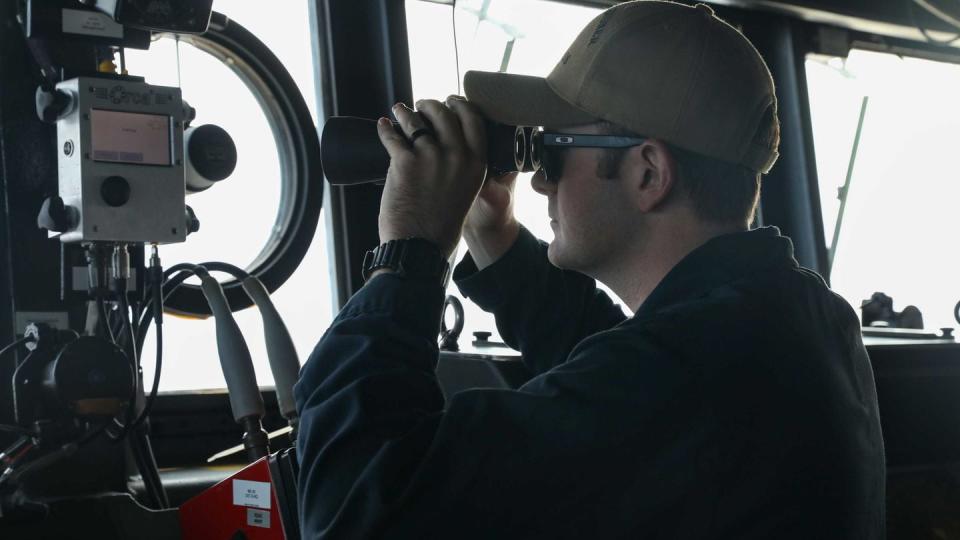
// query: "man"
[[738, 401]]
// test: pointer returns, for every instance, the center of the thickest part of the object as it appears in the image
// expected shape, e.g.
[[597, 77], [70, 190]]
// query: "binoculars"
[[351, 151]]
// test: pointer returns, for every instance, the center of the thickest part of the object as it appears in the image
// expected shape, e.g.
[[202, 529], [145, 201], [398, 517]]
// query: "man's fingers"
[[444, 121], [474, 126], [391, 140], [502, 181], [414, 125], [507, 179]]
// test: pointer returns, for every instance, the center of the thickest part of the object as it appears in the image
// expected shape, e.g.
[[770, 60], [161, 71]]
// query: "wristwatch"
[[409, 257]]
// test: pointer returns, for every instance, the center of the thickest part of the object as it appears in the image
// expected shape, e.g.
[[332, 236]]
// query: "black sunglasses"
[[546, 148]]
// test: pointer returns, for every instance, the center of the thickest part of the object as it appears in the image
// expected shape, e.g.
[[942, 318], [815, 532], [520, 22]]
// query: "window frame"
[[375, 28]]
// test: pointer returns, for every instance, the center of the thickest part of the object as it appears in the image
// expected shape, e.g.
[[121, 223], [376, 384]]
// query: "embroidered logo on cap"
[[601, 26]]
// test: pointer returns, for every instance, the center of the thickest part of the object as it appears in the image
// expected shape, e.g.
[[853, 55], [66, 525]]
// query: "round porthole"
[[263, 217]]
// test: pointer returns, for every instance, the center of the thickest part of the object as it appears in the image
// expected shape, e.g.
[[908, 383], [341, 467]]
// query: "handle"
[[235, 360], [281, 352]]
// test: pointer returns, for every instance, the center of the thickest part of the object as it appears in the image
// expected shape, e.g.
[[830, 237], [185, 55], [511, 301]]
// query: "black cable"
[[105, 320], [128, 325], [120, 286], [152, 501], [931, 39], [226, 268], [158, 297], [139, 440], [93, 434], [160, 292], [136, 311], [170, 285], [148, 311], [15, 429], [924, 31], [147, 451], [156, 274], [15, 448], [151, 482], [143, 454], [124, 337], [11, 347], [10, 458], [178, 268], [14, 345], [183, 271], [148, 405], [116, 331], [64, 451]]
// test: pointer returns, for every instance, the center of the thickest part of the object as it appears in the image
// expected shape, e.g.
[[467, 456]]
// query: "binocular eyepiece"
[[351, 151]]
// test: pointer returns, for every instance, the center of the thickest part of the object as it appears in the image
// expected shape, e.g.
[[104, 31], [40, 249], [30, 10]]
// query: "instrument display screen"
[[126, 137]]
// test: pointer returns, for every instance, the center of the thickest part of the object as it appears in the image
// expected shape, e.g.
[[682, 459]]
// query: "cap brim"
[[521, 100]]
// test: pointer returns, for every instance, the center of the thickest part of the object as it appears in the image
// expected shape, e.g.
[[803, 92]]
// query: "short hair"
[[720, 191]]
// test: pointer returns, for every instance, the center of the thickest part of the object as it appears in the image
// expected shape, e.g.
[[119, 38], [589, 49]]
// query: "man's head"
[[719, 192], [689, 83], [604, 202]]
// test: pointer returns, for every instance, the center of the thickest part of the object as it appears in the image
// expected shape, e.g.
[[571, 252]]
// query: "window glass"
[[238, 214], [525, 37], [244, 205], [904, 186]]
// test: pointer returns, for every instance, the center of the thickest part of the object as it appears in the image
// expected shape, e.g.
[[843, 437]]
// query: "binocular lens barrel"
[[535, 155], [351, 151]]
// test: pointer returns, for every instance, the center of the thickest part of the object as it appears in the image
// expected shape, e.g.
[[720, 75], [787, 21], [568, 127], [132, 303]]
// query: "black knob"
[[56, 216], [193, 224], [212, 152], [115, 191], [482, 336], [51, 104]]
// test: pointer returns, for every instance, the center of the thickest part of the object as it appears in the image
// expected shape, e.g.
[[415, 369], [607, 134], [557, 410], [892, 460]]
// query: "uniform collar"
[[720, 260]]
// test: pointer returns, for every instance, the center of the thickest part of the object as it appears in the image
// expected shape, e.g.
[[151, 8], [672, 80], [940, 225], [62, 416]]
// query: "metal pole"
[[844, 192], [507, 51]]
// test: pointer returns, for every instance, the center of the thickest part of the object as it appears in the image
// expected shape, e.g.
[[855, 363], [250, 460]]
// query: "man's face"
[[589, 215]]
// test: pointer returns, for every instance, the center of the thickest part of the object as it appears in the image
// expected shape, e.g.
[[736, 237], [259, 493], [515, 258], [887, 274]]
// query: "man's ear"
[[652, 173]]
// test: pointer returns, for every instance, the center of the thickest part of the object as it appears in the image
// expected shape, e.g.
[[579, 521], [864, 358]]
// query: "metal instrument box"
[[121, 161]]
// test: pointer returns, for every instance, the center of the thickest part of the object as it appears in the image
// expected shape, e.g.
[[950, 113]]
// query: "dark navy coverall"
[[738, 402]]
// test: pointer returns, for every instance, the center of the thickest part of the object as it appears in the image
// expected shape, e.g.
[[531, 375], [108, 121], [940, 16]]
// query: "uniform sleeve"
[[540, 310], [382, 455]]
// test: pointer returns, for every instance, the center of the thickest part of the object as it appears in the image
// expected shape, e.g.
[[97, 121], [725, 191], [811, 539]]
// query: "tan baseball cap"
[[660, 69]]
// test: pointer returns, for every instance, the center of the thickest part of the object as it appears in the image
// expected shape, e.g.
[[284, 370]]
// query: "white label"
[[258, 518], [254, 494], [90, 23]]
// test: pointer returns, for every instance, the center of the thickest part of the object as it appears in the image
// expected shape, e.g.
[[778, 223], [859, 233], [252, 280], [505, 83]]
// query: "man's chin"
[[555, 255], [565, 260]]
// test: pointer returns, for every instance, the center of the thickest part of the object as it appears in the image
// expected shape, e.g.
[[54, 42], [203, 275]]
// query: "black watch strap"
[[409, 257]]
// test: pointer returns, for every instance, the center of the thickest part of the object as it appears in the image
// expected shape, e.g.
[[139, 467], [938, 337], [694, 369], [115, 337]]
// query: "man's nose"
[[541, 185]]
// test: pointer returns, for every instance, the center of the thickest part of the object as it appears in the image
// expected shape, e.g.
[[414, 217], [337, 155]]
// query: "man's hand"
[[433, 180], [493, 209], [491, 227]]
